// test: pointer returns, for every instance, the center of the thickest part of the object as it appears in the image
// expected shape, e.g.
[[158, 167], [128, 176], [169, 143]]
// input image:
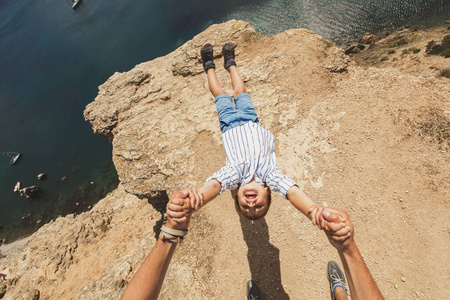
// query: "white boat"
[[75, 3], [15, 158]]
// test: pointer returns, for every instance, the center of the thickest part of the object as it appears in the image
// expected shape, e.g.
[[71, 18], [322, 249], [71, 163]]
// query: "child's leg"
[[241, 99], [214, 84], [230, 64], [207, 54], [236, 81]]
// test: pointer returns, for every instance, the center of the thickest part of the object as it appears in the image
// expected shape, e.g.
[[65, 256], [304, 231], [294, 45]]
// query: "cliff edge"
[[364, 139]]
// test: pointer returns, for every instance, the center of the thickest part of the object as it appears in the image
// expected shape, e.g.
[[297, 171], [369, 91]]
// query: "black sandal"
[[207, 55], [228, 55]]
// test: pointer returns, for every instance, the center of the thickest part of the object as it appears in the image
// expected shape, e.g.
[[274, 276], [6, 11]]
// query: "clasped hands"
[[335, 223], [181, 206]]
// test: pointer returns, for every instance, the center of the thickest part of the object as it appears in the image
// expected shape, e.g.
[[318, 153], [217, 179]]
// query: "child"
[[251, 171]]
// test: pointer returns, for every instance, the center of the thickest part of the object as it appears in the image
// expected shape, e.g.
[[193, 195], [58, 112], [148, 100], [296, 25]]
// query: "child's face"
[[252, 199]]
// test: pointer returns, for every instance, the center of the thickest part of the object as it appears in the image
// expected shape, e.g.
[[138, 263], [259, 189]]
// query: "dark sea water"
[[52, 59]]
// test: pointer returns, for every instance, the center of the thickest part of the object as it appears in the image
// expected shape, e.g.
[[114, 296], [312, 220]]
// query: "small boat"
[[15, 158], [75, 3]]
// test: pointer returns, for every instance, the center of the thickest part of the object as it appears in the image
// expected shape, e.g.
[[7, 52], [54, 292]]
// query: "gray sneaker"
[[253, 291], [336, 278]]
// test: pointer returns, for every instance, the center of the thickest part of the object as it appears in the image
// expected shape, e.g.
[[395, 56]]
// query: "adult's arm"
[[148, 280], [340, 231]]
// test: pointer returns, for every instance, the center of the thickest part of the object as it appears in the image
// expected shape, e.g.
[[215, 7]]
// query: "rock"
[[353, 49], [2, 289], [349, 49], [165, 96], [356, 50], [17, 187], [27, 216], [42, 176], [31, 294], [64, 178], [145, 158], [368, 39], [29, 192], [90, 185], [441, 47], [75, 170], [106, 166], [162, 146]]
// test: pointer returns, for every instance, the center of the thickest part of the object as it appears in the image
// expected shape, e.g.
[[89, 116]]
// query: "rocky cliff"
[[363, 139]]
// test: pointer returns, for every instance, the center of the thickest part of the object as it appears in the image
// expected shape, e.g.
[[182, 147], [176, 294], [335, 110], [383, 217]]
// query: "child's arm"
[[210, 190], [205, 194], [302, 202], [226, 178], [299, 199]]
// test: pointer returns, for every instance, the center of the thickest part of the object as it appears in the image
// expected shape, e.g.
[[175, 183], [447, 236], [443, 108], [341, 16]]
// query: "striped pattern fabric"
[[250, 152]]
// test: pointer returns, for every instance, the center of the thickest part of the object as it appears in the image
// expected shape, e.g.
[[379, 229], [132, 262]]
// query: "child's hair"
[[244, 213]]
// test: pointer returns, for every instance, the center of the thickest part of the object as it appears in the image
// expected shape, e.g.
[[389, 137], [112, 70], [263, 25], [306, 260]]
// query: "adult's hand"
[[338, 228], [179, 210], [148, 280], [339, 231]]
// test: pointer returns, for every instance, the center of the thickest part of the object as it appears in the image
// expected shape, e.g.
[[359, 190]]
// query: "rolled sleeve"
[[228, 178], [280, 183]]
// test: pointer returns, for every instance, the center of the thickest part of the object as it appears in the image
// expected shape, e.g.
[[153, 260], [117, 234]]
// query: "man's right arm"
[[339, 231]]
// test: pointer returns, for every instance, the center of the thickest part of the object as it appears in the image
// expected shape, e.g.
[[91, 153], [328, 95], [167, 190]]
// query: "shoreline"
[[74, 202], [405, 50], [6, 248], [433, 25]]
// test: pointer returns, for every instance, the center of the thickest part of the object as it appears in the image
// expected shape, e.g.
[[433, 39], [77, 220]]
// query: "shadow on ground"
[[263, 258]]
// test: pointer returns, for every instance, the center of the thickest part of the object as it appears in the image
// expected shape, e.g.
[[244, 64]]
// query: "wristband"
[[172, 235]]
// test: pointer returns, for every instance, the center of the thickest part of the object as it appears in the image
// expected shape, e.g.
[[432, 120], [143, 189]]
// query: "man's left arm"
[[148, 280]]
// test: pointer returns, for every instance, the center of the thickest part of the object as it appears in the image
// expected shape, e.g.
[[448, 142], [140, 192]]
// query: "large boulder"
[[161, 118]]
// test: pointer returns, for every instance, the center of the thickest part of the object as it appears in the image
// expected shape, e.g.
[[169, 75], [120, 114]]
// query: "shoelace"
[[338, 281], [251, 297]]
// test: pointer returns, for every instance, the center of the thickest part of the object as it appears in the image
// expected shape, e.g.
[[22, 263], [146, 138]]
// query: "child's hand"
[[196, 199], [316, 216]]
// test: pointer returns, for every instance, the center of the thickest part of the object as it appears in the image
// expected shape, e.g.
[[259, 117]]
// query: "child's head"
[[252, 200]]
